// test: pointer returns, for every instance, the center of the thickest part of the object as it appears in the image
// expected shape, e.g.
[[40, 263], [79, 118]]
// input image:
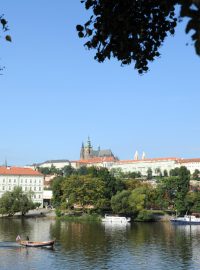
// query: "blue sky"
[[54, 94]]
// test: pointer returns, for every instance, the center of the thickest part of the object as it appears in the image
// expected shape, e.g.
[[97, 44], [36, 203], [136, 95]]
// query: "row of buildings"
[[105, 158], [31, 180]]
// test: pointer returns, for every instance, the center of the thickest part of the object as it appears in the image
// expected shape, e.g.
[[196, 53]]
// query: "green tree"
[[131, 184], [165, 173], [83, 190], [112, 184], [195, 174], [183, 182], [56, 186], [134, 30], [158, 172], [166, 190], [68, 170], [120, 202], [15, 201], [44, 170], [137, 200], [173, 190], [149, 173], [3, 30], [174, 172], [83, 170]]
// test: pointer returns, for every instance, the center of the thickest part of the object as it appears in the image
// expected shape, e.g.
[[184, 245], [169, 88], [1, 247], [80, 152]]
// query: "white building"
[[157, 165], [191, 164], [28, 179], [142, 166], [58, 164]]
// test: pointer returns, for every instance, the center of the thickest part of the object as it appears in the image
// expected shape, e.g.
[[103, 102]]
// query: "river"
[[97, 246]]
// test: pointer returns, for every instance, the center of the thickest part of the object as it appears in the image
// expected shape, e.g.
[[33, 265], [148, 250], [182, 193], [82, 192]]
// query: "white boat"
[[116, 219], [187, 219]]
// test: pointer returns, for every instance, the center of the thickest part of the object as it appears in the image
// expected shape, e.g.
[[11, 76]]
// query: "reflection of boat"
[[187, 219], [116, 219]]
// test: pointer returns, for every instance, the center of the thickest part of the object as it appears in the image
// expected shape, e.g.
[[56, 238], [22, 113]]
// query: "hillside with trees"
[[96, 190]]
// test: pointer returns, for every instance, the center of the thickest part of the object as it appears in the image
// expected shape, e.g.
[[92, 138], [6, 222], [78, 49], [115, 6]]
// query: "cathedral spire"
[[88, 142], [143, 155], [136, 156]]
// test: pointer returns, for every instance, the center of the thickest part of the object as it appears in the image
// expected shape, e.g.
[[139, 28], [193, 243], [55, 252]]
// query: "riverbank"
[[144, 216], [36, 213]]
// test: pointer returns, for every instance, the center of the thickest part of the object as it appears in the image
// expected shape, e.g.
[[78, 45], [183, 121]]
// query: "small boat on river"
[[27, 243], [37, 244], [186, 220], [116, 219]]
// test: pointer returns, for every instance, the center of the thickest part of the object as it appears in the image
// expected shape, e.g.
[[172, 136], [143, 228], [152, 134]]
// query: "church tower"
[[143, 156], [88, 150], [136, 156], [82, 152]]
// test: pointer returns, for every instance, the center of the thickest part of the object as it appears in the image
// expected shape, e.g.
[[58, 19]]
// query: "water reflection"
[[100, 246]]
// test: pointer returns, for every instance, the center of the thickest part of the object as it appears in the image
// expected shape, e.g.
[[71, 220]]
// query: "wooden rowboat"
[[37, 244]]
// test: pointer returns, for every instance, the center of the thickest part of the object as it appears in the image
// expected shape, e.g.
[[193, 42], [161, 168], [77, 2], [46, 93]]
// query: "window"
[[25, 180], [30, 181], [3, 180], [25, 188], [14, 180], [3, 188], [39, 196], [9, 187], [39, 188], [9, 180], [34, 188]]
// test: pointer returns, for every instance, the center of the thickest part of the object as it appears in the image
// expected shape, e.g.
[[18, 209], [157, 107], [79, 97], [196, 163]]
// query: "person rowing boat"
[[27, 243]]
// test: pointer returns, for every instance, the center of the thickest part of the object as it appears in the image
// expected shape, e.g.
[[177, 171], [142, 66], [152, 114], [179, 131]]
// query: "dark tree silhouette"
[[134, 30], [3, 29]]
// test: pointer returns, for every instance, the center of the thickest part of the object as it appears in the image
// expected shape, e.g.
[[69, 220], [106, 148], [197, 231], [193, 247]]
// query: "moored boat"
[[187, 219], [116, 219]]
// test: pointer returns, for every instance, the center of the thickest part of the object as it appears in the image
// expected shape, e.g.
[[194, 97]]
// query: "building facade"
[[26, 178], [57, 163]]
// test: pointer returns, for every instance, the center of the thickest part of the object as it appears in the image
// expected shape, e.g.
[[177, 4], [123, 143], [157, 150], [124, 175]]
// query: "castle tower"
[[143, 156], [136, 156], [88, 150], [82, 151]]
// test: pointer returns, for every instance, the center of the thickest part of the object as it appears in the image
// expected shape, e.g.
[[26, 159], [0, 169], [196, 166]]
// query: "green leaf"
[[8, 38]]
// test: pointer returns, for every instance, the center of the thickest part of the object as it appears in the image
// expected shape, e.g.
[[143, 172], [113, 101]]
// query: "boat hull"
[[37, 244], [115, 220], [186, 220]]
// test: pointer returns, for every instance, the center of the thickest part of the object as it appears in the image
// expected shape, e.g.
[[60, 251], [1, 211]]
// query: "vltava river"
[[96, 246]]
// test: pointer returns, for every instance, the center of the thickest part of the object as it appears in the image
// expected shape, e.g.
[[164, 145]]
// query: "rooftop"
[[18, 171]]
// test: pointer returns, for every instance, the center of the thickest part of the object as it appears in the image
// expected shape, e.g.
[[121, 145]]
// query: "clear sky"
[[54, 94]]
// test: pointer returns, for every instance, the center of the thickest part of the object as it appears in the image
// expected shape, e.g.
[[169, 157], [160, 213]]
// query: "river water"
[[97, 246]]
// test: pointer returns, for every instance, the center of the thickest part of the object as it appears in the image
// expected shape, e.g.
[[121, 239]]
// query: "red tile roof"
[[97, 160], [18, 171], [187, 160]]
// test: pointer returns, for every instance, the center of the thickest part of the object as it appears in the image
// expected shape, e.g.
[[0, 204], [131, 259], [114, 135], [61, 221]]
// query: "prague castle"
[[105, 158], [87, 152]]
